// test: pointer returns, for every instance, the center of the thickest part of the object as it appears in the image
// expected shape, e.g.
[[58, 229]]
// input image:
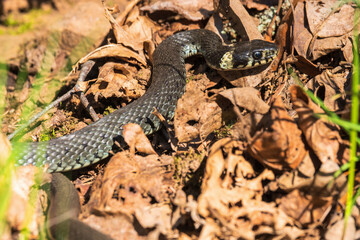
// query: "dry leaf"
[[194, 10], [134, 179], [195, 114], [156, 217], [114, 50], [322, 136], [305, 209], [324, 183], [338, 23], [119, 227], [258, 5], [129, 187], [117, 80], [247, 97], [331, 88], [316, 33], [136, 138], [280, 145], [239, 212], [335, 230], [302, 35]]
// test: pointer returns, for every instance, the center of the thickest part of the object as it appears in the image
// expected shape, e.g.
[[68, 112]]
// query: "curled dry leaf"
[[258, 5], [118, 80], [194, 10], [246, 97], [322, 136], [305, 209], [156, 217], [334, 84], [114, 50], [247, 27], [186, 206], [336, 229], [228, 197], [326, 23], [324, 183], [279, 146], [196, 115], [134, 34], [319, 184], [130, 184], [141, 31], [119, 227], [136, 138], [330, 29]]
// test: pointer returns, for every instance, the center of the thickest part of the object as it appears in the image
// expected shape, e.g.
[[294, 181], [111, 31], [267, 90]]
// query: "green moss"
[[224, 131], [47, 135], [108, 110], [18, 24], [186, 164]]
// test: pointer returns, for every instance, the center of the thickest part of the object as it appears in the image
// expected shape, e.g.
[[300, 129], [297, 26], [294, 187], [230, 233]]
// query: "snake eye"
[[257, 55]]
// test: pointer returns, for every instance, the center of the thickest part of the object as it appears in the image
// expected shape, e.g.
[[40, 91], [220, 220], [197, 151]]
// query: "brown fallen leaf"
[[324, 183], [134, 179], [116, 80], [156, 217], [302, 36], [113, 50], [304, 65], [280, 145], [258, 5], [136, 138], [324, 23], [127, 190], [246, 97], [318, 30], [196, 115], [119, 227], [194, 10], [232, 201], [331, 85], [336, 229], [303, 208], [322, 136], [133, 30]]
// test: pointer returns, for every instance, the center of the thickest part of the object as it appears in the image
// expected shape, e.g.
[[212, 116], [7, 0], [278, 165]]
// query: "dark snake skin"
[[93, 142]]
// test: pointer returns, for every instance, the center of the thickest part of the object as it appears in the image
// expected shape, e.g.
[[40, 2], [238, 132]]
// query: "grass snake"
[[93, 142]]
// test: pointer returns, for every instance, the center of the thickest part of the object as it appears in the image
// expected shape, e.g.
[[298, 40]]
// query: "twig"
[[172, 138], [80, 87]]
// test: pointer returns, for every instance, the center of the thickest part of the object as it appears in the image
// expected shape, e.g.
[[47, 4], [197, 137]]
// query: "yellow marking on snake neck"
[[226, 62]]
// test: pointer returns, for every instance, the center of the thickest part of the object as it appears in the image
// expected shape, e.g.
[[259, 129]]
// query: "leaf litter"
[[270, 177]]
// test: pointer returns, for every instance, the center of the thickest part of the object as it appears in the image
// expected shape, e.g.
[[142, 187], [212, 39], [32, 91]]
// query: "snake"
[[63, 212], [168, 81]]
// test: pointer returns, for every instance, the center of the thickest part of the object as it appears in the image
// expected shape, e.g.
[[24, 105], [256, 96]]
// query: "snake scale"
[[93, 142]]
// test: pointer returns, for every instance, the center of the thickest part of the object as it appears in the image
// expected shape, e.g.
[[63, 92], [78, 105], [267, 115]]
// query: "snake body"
[[93, 142]]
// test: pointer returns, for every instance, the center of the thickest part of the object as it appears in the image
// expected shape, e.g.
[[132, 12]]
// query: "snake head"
[[246, 55]]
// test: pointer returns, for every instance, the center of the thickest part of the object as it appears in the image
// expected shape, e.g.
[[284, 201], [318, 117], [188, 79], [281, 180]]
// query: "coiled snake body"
[[93, 143]]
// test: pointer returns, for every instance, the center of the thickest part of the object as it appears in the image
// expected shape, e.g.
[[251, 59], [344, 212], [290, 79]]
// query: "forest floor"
[[248, 155]]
